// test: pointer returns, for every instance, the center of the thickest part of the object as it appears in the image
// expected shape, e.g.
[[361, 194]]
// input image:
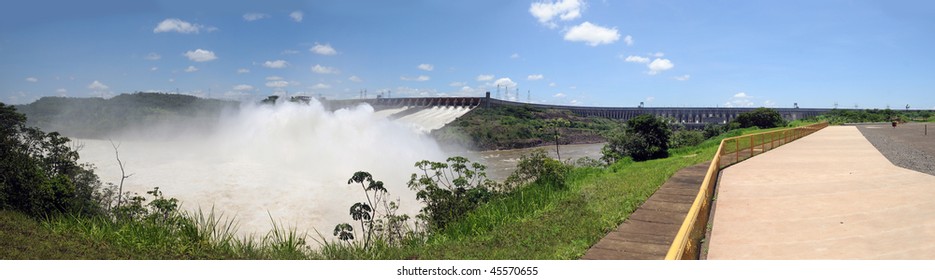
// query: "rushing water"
[[290, 163]]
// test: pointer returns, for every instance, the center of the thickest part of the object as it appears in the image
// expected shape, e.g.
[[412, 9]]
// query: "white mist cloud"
[[740, 99], [325, 49], [276, 64], [32, 79], [297, 16], [243, 71], [323, 69], [321, 86], [565, 10], [96, 85], [559, 95], [355, 79], [507, 82], [426, 67], [514, 56], [636, 59], [277, 84], [420, 78], [254, 16], [628, 40], [191, 69], [243, 87], [682, 78], [200, 55], [535, 77], [592, 34], [152, 56], [483, 77]]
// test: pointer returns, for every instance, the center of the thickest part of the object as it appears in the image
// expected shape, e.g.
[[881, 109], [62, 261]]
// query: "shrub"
[[686, 138], [646, 137], [449, 190], [761, 117], [537, 167]]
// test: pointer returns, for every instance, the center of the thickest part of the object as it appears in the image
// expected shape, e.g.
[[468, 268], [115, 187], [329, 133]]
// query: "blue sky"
[[869, 54]]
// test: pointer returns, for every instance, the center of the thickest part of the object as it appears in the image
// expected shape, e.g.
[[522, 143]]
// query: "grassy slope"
[[26, 239]]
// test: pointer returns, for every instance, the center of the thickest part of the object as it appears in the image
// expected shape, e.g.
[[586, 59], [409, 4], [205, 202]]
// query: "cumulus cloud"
[[420, 78], [152, 56], [191, 69], [276, 64], [180, 26], [565, 10], [559, 95], [636, 59], [290, 52], [273, 78], [320, 86], [628, 39], [323, 69], [740, 99], [552, 84], [769, 103], [514, 56], [243, 71], [325, 49], [660, 64], [243, 87], [592, 34], [457, 84], [297, 16], [534, 77], [355, 79], [426, 67], [484, 77], [96, 85], [574, 102], [32, 79], [200, 55], [276, 82], [61, 91], [682, 78], [659, 54], [254, 16], [507, 82]]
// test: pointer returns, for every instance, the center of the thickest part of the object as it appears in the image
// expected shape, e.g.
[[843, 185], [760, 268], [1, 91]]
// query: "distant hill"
[[102, 118]]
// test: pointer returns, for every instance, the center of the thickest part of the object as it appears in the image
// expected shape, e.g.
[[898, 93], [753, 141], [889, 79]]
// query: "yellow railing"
[[686, 244]]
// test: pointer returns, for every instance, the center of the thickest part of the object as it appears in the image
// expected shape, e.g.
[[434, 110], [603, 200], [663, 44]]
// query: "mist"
[[286, 162]]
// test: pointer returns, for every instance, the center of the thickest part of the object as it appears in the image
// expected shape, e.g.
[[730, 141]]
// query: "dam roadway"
[[684, 115]]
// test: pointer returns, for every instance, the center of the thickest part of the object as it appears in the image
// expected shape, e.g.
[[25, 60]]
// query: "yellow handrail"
[[686, 244]]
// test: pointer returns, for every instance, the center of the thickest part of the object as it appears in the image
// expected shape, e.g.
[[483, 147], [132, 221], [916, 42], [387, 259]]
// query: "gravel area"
[[906, 146]]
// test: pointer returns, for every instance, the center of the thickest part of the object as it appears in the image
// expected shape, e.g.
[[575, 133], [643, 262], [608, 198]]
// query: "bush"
[[646, 137], [449, 190], [537, 167], [761, 117], [686, 138]]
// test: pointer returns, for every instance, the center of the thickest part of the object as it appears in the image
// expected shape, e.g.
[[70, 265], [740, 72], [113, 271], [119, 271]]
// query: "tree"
[[760, 117], [645, 137], [554, 125], [449, 189]]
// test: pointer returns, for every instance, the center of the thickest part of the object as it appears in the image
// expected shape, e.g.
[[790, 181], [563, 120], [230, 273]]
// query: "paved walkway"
[[649, 231], [830, 195]]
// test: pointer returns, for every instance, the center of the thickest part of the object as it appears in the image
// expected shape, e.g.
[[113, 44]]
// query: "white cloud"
[[659, 54], [573, 102], [592, 34], [514, 56], [277, 84], [290, 52], [297, 16], [243, 71], [180, 26], [628, 39], [566, 10], [191, 69], [243, 87], [325, 49], [323, 69], [152, 56], [200, 55], [650, 99], [457, 84], [321, 86], [276, 64], [426, 67], [741, 95], [740, 99], [254, 16], [481, 78], [559, 95], [273, 78], [420, 78], [636, 59], [769, 103], [534, 77], [552, 84], [32, 79], [61, 91], [154, 68], [96, 85], [355, 79], [682, 77], [507, 82], [660, 64]]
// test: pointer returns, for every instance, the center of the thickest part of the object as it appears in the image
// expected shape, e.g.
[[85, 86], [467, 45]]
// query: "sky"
[[817, 54]]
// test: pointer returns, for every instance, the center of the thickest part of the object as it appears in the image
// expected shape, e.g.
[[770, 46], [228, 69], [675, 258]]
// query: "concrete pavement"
[[830, 195]]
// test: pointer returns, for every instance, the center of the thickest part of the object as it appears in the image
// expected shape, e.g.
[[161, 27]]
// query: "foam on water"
[[288, 161]]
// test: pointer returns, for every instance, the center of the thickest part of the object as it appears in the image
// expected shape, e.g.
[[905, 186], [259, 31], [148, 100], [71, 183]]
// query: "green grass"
[[22, 238]]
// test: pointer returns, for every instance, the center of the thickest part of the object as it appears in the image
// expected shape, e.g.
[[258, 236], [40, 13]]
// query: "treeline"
[[837, 116], [513, 127], [100, 118]]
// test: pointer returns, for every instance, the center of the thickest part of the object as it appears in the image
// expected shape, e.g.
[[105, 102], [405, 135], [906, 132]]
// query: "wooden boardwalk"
[[649, 231]]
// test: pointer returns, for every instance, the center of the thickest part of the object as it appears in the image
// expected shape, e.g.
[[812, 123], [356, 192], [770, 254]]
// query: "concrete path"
[[649, 231], [830, 195]]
